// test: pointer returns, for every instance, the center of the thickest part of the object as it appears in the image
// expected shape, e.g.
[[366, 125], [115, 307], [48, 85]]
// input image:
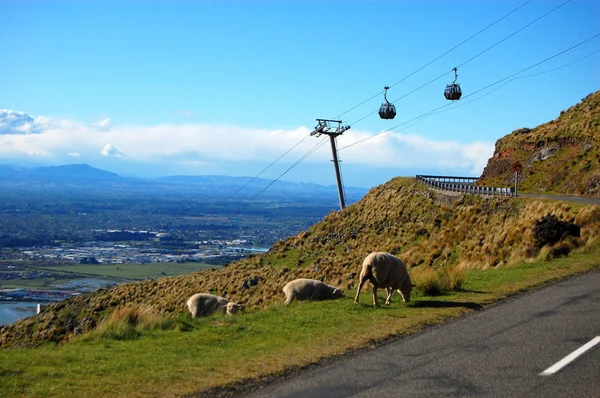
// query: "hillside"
[[561, 156], [429, 231], [432, 232]]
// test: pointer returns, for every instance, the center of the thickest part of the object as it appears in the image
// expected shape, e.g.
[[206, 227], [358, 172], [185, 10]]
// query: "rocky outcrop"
[[561, 156]]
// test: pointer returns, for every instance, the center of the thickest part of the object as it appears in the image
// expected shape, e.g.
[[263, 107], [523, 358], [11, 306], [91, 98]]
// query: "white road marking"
[[570, 358]]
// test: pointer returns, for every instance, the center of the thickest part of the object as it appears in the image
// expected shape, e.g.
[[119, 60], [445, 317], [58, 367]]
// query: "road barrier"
[[462, 184]]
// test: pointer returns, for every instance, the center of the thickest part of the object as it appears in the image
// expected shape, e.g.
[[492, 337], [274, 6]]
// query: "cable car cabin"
[[452, 92], [387, 111]]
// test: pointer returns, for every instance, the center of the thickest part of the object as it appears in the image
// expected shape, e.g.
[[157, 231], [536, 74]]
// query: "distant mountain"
[[250, 184], [83, 176], [56, 174]]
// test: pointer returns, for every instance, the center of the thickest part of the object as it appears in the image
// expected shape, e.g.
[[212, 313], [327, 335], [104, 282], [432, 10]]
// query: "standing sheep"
[[310, 289], [204, 304], [387, 271]]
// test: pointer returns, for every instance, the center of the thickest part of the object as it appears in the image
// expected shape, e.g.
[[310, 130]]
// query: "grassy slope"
[[215, 351], [572, 144], [401, 216]]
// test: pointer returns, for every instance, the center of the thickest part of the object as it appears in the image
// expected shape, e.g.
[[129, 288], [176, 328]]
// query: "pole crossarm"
[[329, 127]]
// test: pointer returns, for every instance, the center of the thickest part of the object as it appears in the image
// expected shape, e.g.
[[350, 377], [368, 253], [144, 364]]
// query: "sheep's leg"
[[360, 285], [375, 296], [389, 291]]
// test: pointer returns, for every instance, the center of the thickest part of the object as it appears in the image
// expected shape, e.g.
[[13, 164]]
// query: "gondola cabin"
[[387, 110], [452, 92]]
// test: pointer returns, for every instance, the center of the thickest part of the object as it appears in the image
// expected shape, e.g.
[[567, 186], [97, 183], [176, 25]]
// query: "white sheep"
[[204, 304], [387, 271], [310, 289]]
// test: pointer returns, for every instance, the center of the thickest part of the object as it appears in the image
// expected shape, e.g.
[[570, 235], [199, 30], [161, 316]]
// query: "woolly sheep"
[[310, 289], [386, 271], [204, 304]]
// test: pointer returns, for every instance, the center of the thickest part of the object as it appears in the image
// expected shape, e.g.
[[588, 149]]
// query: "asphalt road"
[[498, 352], [588, 200]]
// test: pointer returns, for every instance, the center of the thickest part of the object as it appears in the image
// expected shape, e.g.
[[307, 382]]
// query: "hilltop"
[[561, 156]]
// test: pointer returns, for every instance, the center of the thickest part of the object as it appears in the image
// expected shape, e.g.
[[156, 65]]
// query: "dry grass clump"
[[128, 322], [435, 282]]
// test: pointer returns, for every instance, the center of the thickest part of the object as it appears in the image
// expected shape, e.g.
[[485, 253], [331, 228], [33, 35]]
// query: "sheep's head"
[[337, 293], [405, 292], [232, 308]]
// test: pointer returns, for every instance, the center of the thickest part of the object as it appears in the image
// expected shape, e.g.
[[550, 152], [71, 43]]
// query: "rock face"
[[562, 156]]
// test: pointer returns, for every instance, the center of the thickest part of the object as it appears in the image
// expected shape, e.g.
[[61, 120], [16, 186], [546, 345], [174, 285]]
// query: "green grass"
[[39, 283], [191, 355], [132, 271]]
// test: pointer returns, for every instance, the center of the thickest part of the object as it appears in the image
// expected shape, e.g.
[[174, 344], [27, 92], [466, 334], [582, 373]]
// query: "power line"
[[522, 77], [268, 167], [440, 56], [310, 152], [436, 110], [470, 59], [514, 33]]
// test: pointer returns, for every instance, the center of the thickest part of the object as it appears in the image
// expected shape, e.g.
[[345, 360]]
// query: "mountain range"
[[83, 176]]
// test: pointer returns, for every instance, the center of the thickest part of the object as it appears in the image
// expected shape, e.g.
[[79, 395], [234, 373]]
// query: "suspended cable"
[[310, 152], [467, 61], [268, 167], [436, 110], [514, 33], [439, 56], [462, 103]]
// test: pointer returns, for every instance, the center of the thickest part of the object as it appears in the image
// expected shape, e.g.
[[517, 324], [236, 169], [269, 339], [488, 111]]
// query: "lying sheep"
[[204, 304], [310, 289], [387, 271]]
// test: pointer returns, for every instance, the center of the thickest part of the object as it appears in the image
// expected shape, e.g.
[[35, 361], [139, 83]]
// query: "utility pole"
[[325, 126]]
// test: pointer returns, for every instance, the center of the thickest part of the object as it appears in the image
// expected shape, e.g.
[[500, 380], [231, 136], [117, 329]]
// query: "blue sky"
[[154, 88]]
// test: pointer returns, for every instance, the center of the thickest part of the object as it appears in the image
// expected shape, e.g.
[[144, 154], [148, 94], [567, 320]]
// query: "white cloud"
[[103, 124], [412, 151], [110, 150], [15, 122], [209, 149]]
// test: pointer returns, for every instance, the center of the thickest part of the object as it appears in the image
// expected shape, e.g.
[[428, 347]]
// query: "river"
[[15, 310]]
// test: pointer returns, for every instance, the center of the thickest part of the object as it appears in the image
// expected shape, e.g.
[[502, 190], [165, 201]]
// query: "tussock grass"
[[130, 321], [402, 217], [436, 282]]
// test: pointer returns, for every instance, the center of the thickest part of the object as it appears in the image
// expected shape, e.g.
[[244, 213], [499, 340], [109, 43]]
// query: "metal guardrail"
[[462, 184]]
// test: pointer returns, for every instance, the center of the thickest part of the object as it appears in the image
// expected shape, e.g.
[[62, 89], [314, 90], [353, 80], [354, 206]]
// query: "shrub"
[[549, 230]]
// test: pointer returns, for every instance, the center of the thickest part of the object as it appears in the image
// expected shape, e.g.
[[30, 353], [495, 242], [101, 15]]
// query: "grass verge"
[[184, 356]]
